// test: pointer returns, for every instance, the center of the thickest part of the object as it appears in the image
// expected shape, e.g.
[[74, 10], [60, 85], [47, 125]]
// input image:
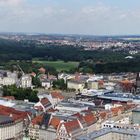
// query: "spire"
[[138, 76], [138, 83]]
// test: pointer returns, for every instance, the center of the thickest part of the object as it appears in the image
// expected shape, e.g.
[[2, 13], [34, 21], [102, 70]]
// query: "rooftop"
[[14, 114], [72, 125], [5, 119], [136, 109], [57, 95], [71, 104], [76, 81], [102, 132], [121, 97]]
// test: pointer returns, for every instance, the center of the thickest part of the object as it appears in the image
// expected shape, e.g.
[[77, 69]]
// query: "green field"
[[60, 65]]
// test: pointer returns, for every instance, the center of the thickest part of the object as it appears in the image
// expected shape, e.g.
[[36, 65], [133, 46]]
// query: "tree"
[[36, 81], [59, 84], [20, 93]]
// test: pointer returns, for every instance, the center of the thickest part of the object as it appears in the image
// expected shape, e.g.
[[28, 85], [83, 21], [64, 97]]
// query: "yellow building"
[[76, 85], [93, 85]]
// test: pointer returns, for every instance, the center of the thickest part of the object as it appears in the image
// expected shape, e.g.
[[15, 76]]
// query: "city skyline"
[[94, 17]]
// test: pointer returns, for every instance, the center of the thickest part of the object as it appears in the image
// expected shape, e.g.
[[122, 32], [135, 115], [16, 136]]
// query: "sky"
[[92, 17]]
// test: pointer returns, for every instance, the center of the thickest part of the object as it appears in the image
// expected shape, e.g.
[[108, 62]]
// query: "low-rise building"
[[62, 126], [43, 127], [110, 106], [47, 84], [65, 76], [70, 107], [93, 85], [10, 129], [69, 130], [76, 85], [7, 81], [43, 105], [12, 123], [8, 78], [54, 97], [112, 134], [26, 81]]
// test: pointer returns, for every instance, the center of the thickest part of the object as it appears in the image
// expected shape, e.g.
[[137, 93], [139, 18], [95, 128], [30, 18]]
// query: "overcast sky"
[[96, 17]]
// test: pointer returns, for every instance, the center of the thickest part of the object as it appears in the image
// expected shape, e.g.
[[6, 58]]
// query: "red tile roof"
[[78, 115], [72, 126], [129, 106], [103, 115], [37, 120], [45, 102], [57, 95], [9, 97], [55, 122], [115, 111], [126, 81], [89, 119], [15, 114]]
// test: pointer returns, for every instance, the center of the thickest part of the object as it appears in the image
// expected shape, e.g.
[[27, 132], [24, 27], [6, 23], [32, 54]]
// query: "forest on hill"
[[89, 61]]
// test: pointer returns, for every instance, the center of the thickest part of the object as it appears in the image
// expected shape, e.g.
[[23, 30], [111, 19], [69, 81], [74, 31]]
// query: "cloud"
[[19, 15], [11, 2]]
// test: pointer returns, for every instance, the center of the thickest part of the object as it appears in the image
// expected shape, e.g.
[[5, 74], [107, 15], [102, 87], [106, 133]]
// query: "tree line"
[[98, 61], [12, 50]]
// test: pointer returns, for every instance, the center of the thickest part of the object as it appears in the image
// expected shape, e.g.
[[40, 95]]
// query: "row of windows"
[[109, 126]]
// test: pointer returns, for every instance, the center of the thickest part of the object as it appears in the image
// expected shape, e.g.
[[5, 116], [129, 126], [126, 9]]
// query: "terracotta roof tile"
[[129, 106], [103, 115], [86, 117], [9, 97], [72, 125], [45, 102], [57, 95], [15, 114], [89, 119], [115, 111], [37, 120], [55, 122], [126, 82]]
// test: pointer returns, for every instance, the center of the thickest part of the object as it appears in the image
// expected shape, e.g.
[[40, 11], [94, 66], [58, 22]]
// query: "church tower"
[[138, 83]]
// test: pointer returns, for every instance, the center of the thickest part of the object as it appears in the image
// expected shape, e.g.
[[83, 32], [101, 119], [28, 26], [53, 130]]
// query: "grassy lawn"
[[60, 65]]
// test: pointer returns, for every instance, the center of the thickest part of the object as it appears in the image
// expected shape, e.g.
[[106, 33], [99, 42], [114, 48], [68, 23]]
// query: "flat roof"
[[105, 131], [71, 104], [136, 109], [120, 96], [18, 104]]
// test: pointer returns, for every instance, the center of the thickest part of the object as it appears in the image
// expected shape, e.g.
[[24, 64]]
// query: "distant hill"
[[12, 50]]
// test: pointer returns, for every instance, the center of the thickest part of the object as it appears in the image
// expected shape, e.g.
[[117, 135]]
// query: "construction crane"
[[21, 69]]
